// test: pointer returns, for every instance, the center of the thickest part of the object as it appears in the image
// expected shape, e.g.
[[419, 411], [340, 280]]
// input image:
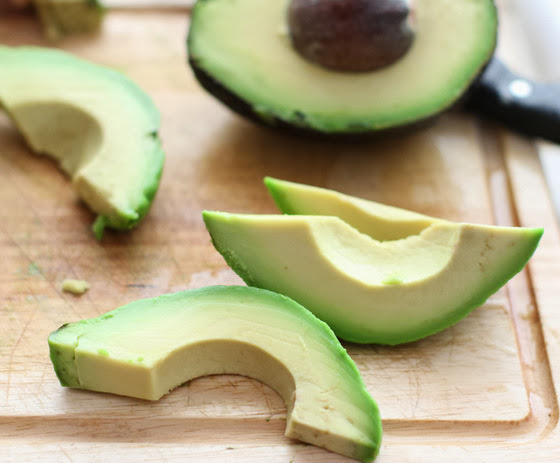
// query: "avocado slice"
[[98, 124], [251, 66], [368, 291], [61, 18], [374, 219], [148, 347]]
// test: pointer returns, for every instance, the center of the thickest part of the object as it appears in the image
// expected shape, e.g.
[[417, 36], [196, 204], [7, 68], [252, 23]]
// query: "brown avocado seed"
[[351, 35]]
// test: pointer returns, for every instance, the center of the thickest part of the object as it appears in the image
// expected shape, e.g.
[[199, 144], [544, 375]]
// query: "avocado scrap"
[[61, 18]]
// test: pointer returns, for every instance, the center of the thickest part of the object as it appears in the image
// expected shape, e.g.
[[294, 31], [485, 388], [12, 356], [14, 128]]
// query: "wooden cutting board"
[[483, 390]]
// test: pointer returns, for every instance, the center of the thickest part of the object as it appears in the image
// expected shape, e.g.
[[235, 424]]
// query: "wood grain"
[[484, 389]]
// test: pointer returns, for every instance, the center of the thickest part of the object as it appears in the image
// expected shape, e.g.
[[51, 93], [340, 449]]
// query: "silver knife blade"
[[541, 26]]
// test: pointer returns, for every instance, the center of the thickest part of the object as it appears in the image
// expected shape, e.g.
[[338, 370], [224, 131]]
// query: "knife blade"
[[541, 21], [526, 105]]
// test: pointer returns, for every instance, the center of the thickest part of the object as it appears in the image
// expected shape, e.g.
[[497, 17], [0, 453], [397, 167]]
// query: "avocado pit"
[[351, 35]]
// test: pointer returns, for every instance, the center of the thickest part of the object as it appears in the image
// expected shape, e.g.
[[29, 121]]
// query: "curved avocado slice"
[[369, 291], [150, 346], [377, 220], [98, 124], [251, 66]]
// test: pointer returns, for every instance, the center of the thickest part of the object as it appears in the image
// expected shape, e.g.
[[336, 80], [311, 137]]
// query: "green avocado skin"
[[300, 128]]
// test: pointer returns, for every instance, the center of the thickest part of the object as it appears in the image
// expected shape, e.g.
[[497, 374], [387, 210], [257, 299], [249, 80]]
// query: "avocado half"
[[150, 346], [99, 125], [241, 52]]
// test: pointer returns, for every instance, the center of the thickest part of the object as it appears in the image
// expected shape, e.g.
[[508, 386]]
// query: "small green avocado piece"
[[69, 17], [374, 219], [253, 67], [150, 346], [98, 124], [368, 291], [75, 286]]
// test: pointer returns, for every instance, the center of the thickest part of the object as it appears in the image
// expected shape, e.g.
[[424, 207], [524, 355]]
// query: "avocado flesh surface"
[[379, 221], [98, 124], [368, 291], [68, 17], [255, 61], [148, 347]]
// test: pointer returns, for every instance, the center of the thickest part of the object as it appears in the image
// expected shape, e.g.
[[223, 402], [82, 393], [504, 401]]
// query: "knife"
[[541, 23], [525, 105], [522, 104]]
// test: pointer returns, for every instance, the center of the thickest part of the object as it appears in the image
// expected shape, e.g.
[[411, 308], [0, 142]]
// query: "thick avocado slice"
[[377, 220], [69, 17], [369, 291], [251, 66], [148, 347], [98, 124]]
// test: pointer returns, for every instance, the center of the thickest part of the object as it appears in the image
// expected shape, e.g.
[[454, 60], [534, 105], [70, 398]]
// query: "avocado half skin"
[[245, 109]]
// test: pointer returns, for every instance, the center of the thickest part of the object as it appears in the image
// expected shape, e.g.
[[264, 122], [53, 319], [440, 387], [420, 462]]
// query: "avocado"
[[368, 291], [98, 124], [150, 346], [380, 221], [61, 18], [255, 68], [75, 286]]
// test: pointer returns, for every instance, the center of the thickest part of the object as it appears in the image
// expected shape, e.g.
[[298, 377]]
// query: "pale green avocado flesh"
[[150, 346], [62, 18], [369, 291], [243, 48], [96, 123], [374, 219]]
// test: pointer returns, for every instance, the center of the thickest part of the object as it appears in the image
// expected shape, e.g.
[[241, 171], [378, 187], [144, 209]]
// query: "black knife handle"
[[532, 108]]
